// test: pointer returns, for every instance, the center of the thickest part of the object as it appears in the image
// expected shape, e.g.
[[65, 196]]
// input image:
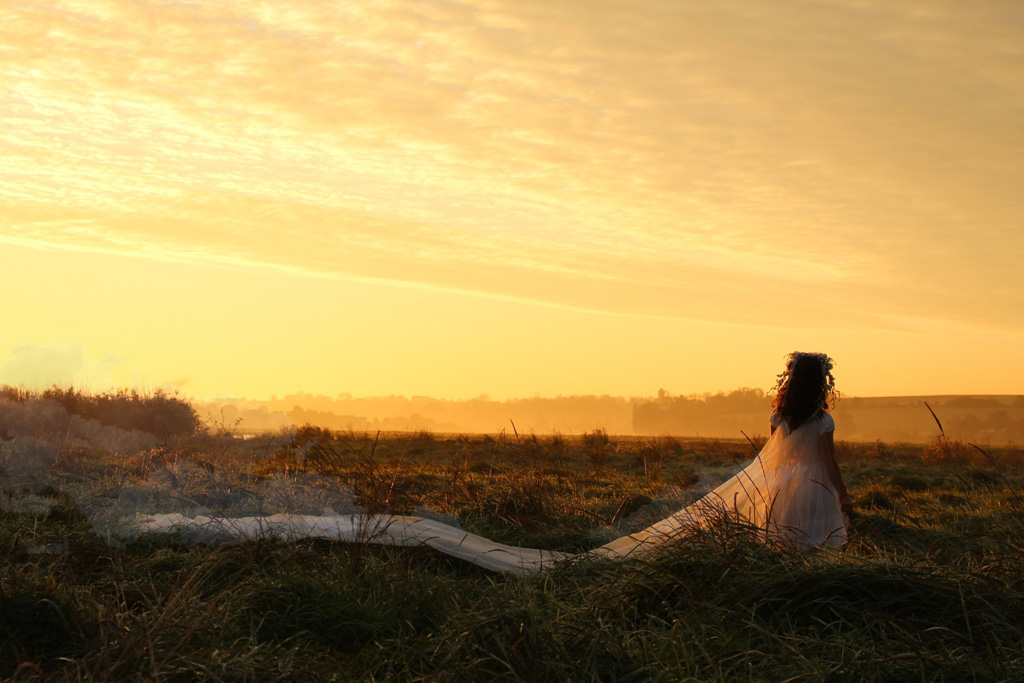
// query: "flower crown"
[[826, 370]]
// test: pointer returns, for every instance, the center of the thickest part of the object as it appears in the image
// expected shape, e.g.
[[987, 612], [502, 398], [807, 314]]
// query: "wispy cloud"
[[711, 161]]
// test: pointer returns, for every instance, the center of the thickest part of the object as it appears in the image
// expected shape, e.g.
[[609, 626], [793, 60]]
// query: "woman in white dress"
[[803, 394], [791, 492]]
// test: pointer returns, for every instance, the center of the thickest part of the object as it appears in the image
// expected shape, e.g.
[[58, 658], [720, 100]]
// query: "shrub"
[[943, 451], [158, 413]]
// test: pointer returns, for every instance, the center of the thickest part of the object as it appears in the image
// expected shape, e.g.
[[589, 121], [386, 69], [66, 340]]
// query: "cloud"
[[39, 366], [664, 158]]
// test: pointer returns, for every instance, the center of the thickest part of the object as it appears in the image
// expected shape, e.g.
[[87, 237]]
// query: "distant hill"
[[982, 419]]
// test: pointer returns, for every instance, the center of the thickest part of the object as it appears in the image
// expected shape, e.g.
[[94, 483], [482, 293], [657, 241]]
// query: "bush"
[[157, 413]]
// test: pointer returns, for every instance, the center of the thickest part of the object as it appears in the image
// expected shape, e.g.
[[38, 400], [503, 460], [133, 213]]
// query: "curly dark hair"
[[806, 387]]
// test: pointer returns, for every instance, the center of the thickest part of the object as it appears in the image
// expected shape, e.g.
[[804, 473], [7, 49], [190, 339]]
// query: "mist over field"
[[988, 419]]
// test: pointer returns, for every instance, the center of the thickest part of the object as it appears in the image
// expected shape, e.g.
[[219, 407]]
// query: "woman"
[[792, 491], [803, 393]]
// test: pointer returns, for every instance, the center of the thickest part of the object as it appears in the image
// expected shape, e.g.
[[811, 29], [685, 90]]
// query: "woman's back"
[[824, 421]]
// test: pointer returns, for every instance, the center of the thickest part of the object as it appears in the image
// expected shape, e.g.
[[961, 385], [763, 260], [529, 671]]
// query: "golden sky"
[[461, 197]]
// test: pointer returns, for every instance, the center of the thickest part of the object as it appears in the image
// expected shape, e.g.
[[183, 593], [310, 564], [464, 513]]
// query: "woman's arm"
[[828, 452]]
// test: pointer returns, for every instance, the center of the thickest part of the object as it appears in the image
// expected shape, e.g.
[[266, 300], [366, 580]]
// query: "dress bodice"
[[822, 421]]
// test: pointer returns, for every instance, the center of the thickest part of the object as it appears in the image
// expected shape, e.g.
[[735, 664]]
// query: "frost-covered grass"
[[931, 586]]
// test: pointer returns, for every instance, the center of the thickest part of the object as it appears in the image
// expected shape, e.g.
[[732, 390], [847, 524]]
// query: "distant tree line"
[[983, 419], [714, 415]]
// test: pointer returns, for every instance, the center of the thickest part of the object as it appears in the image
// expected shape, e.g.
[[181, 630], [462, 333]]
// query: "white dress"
[[785, 493]]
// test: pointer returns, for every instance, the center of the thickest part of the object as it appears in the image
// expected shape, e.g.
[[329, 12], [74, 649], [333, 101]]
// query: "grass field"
[[930, 587]]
